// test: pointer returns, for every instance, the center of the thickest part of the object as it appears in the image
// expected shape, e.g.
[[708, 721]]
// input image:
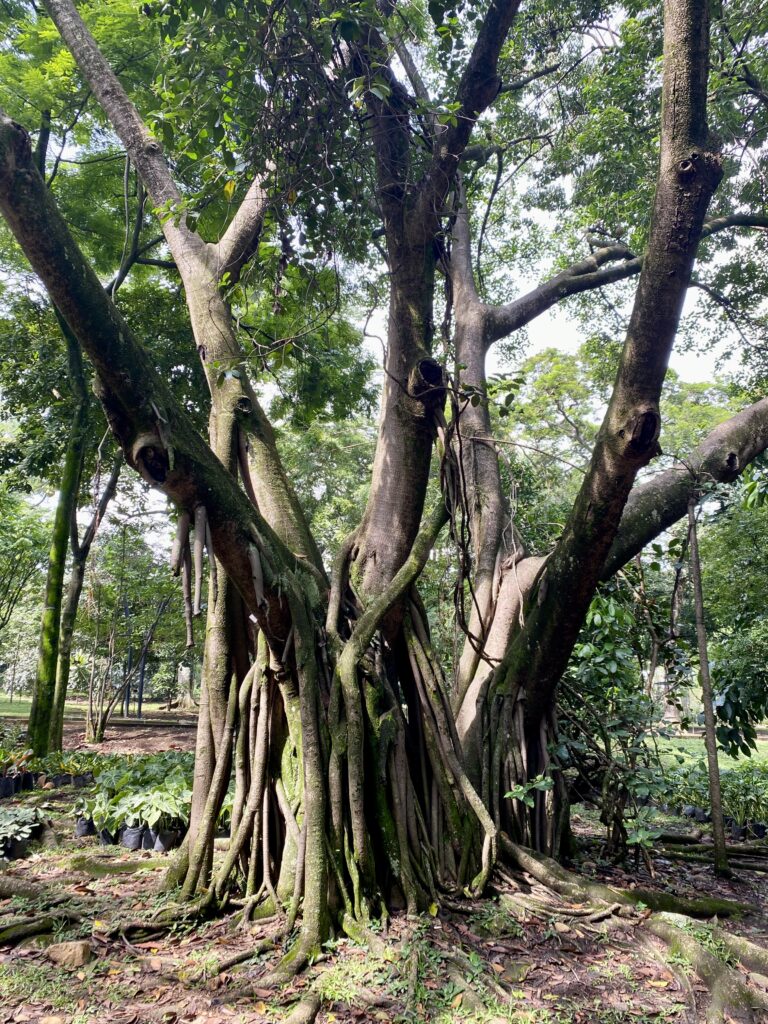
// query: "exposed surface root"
[[708, 950], [731, 999], [305, 1011]]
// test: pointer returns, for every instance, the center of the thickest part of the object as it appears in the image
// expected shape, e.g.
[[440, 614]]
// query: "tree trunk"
[[351, 787], [710, 731], [80, 552], [140, 688], [42, 711]]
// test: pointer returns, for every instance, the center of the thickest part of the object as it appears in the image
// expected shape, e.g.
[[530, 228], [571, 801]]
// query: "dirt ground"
[[133, 739], [555, 961]]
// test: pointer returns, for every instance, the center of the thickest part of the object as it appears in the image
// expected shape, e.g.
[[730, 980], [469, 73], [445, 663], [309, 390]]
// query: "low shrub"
[[154, 791]]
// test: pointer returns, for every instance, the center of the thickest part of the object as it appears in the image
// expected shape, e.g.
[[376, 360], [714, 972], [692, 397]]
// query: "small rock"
[[760, 980], [561, 928], [52, 1019], [70, 954]]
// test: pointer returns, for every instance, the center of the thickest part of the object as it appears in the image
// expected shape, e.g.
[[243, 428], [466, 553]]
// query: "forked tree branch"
[[599, 269], [478, 87], [688, 176], [238, 242]]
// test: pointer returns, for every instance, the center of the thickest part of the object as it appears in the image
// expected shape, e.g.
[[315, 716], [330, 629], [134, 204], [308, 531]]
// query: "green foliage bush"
[[744, 789], [155, 791]]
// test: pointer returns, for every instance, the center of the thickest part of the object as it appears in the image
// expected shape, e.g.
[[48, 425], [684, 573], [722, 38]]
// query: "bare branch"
[[520, 83], [590, 273]]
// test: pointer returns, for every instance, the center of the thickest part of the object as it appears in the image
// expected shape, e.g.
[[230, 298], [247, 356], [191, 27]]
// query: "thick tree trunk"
[[555, 609], [350, 787]]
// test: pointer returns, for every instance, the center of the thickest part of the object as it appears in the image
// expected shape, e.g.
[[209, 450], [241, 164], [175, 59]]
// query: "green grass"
[[20, 707], [692, 749]]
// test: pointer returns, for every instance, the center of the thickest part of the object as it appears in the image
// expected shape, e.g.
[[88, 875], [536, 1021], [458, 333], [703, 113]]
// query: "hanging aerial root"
[[207, 826], [180, 542], [256, 574], [437, 714], [201, 521], [186, 591], [211, 561], [244, 467]]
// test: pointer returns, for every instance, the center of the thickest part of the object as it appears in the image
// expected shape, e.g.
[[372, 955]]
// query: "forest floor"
[[483, 962]]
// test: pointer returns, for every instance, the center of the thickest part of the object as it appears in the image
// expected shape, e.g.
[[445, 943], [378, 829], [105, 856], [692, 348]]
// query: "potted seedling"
[[83, 813]]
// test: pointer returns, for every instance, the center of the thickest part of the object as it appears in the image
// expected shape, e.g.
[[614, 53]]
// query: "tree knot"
[[426, 382], [149, 456], [642, 434], [732, 467], [686, 168]]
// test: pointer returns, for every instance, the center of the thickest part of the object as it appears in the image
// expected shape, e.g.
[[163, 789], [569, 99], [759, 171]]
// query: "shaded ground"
[[485, 962], [132, 739], [136, 737]]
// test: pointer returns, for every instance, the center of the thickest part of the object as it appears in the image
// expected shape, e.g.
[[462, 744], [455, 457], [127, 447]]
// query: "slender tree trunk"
[[140, 688], [80, 553], [41, 713], [710, 734]]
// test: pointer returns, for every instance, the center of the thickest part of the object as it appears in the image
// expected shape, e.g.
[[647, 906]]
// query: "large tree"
[[363, 777]]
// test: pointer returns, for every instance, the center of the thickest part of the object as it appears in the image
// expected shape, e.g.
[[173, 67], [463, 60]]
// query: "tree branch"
[[655, 505], [240, 240], [688, 176], [154, 431], [478, 87], [591, 273], [520, 83], [144, 150]]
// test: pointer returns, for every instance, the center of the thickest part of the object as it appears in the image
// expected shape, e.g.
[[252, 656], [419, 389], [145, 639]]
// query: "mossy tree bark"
[[42, 713]]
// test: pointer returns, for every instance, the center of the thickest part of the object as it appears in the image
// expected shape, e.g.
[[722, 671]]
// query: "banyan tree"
[[364, 778]]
